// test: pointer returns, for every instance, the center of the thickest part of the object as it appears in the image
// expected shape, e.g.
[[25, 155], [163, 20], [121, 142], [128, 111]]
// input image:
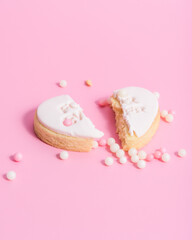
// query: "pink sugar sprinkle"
[[67, 122], [149, 157], [102, 142], [17, 157], [103, 102], [157, 154], [162, 150], [172, 112]]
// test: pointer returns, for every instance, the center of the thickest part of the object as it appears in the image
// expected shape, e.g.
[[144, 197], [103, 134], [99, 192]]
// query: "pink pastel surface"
[[115, 44]]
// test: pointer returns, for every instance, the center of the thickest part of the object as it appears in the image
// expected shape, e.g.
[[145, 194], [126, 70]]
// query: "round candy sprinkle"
[[157, 154], [95, 144], [11, 175], [67, 122], [142, 155], [120, 153], [102, 142], [110, 141], [141, 164], [17, 157], [182, 153], [162, 150], [88, 83], [132, 151], [109, 161], [64, 155], [134, 158], [103, 102], [157, 94], [164, 113], [114, 147], [169, 118], [149, 157], [165, 157], [172, 112], [63, 83], [123, 160]]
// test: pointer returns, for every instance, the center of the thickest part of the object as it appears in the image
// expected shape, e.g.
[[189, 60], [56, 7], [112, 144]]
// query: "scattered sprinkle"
[[123, 160], [109, 161], [64, 155], [63, 83], [132, 151], [134, 158], [11, 175], [149, 157], [164, 113], [157, 154], [114, 147], [141, 164], [110, 141], [120, 153], [95, 144], [88, 83], [17, 157], [182, 153], [142, 155], [169, 118], [165, 157]]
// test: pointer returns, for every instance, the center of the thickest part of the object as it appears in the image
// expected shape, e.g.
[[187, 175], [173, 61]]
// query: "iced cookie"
[[60, 122], [137, 116]]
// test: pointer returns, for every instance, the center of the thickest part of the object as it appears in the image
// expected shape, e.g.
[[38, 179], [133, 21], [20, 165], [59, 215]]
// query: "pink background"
[[115, 44]]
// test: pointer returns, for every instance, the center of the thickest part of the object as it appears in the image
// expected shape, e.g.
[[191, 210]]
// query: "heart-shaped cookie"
[[137, 116], [60, 122]]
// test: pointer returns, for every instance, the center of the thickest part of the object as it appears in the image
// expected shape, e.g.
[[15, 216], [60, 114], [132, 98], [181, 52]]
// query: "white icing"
[[54, 111], [140, 107]]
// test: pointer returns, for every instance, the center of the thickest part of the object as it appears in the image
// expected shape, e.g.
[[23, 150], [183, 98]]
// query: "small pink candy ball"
[[67, 122], [162, 150], [103, 102], [172, 112], [157, 154], [102, 142], [17, 157], [149, 157]]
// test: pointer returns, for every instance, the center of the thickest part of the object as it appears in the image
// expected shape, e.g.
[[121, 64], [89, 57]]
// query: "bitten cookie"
[[61, 123], [137, 116]]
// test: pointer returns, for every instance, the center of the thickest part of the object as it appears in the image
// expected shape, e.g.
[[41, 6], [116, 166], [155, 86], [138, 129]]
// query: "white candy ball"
[[182, 153], [11, 175], [157, 95], [95, 144], [110, 141], [164, 113], [142, 155], [169, 118], [134, 158], [109, 161], [141, 164], [64, 155], [165, 157], [123, 160], [132, 151], [114, 147], [63, 83], [120, 153]]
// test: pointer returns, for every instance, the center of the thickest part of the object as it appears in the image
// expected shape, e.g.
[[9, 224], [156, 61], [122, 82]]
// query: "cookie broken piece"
[[137, 116], [61, 123]]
